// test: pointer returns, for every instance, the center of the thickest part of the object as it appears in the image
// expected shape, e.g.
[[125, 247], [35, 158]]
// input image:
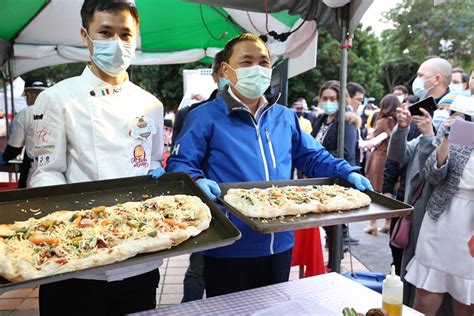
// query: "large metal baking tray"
[[381, 207], [110, 192]]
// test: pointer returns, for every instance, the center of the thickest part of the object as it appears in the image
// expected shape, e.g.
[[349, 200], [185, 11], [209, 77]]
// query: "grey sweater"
[[445, 178]]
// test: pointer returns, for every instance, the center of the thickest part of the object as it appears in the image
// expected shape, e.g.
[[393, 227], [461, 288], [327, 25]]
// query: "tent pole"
[[10, 74], [336, 231], [6, 104]]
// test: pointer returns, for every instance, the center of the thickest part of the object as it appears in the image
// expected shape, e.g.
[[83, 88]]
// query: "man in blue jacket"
[[240, 136]]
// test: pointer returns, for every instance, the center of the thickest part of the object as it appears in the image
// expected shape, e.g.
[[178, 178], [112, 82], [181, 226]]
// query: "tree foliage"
[[422, 29], [363, 65]]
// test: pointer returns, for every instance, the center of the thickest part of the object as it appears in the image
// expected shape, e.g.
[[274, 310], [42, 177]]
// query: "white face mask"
[[367, 112], [252, 81], [112, 56], [419, 89], [455, 87], [400, 98]]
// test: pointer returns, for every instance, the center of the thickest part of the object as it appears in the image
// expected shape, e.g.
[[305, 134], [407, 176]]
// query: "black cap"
[[35, 83]]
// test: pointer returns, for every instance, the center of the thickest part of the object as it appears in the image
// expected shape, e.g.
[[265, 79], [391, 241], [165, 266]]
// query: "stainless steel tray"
[[110, 192], [381, 207]]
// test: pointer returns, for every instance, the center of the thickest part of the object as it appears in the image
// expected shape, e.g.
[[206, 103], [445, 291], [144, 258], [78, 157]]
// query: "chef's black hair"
[[90, 6]]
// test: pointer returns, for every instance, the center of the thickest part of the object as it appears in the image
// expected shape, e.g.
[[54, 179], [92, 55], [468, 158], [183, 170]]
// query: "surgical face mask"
[[222, 82], [455, 87], [329, 108], [367, 112], [112, 56], [439, 117], [252, 81], [400, 98], [419, 89]]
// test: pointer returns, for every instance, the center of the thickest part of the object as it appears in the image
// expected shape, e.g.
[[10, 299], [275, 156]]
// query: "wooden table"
[[325, 294]]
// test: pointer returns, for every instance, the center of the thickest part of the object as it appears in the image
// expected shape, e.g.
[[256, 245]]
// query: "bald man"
[[433, 79]]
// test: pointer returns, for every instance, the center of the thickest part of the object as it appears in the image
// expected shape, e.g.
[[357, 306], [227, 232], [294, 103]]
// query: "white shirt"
[[22, 131], [90, 130]]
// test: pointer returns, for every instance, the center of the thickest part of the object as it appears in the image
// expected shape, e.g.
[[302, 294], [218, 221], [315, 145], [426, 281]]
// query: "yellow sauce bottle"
[[392, 294]]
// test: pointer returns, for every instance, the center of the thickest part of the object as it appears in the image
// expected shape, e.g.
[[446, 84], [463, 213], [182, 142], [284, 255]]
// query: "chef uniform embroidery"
[[142, 129]]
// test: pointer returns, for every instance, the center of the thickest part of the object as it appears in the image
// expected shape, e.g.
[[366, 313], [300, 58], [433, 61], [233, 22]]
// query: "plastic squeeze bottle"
[[392, 294]]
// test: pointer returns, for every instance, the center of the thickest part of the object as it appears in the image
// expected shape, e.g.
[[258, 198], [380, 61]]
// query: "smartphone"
[[429, 104], [462, 133]]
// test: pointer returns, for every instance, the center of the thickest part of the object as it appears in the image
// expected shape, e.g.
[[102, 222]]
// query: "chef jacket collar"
[[100, 87]]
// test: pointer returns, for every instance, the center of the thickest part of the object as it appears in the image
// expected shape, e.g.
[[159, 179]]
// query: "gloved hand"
[[360, 182], [158, 172], [211, 188], [2, 162]]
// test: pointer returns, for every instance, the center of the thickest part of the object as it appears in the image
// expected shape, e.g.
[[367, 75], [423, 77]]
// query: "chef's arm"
[[49, 152]]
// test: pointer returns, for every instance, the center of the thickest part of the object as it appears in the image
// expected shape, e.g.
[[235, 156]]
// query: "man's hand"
[[158, 172], [2, 162], [403, 117], [424, 123], [211, 188], [360, 182]]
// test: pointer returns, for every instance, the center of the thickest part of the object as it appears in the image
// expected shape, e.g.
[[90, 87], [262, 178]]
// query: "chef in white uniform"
[[99, 126], [22, 133]]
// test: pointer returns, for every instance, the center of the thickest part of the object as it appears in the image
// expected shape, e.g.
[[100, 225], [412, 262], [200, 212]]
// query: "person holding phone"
[[447, 224], [433, 77]]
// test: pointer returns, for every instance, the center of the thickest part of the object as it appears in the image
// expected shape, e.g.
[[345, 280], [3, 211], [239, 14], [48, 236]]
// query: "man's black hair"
[[353, 88], [90, 6], [464, 76], [240, 38], [216, 63]]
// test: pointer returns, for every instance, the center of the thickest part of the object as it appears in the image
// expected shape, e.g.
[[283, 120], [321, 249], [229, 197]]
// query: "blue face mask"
[[252, 81], [439, 117], [112, 56], [329, 108], [222, 82], [418, 87]]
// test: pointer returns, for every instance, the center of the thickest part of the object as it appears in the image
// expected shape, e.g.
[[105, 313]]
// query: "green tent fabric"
[[185, 28], [15, 15]]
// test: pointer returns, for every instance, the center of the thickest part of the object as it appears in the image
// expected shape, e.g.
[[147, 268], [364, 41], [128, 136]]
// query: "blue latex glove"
[[211, 188], [2, 162], [360, 182], [158, 172]]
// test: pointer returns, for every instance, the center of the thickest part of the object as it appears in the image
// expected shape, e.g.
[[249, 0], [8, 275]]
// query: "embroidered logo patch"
[[43, 160], [142, 129], [43, 135], [139, 157]]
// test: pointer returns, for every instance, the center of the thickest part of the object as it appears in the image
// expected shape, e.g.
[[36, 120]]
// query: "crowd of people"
[[243, 134]]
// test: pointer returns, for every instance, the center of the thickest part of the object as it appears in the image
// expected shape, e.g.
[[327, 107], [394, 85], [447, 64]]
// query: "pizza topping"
[[40, 240]]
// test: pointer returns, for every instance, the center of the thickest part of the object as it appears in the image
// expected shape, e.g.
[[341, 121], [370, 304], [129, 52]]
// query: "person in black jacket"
[[221, 83]]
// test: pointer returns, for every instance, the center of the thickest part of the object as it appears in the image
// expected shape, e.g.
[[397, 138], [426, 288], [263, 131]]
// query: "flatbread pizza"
[[293, 200], [67, 241]]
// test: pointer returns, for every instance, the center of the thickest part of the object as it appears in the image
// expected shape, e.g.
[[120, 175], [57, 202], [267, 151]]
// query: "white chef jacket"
[[22, 131], [22, 134], [90, 130]]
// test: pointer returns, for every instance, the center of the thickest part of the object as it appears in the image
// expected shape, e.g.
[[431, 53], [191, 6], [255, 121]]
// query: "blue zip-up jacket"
[[221, 140]]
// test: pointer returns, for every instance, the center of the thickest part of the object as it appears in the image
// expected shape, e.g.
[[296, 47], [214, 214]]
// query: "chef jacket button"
[[92, 93]]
